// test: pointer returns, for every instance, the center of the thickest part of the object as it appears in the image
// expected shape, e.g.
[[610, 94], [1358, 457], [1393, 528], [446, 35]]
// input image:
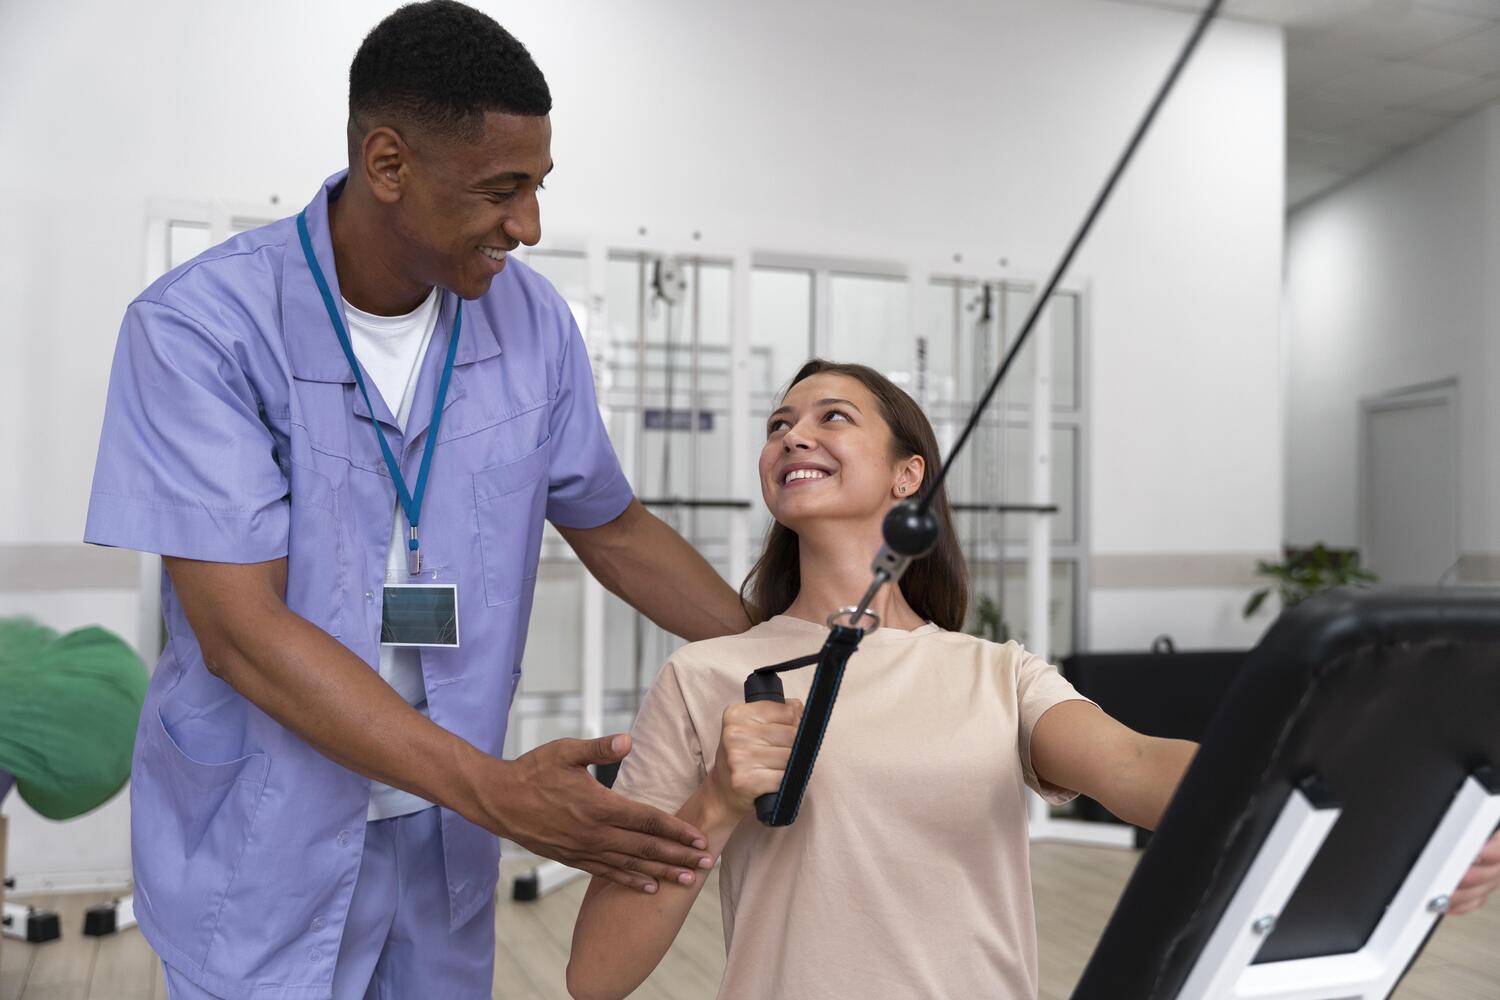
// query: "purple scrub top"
[[234, 433]]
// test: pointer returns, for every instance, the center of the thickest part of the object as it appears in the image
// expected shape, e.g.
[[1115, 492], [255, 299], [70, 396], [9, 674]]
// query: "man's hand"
[[1479, 881], [552, 806]]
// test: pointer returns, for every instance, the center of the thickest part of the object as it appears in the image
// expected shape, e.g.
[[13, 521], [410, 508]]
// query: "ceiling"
[[1367, 77]]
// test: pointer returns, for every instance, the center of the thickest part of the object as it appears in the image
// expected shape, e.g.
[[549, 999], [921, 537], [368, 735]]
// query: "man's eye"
[[499, 195]]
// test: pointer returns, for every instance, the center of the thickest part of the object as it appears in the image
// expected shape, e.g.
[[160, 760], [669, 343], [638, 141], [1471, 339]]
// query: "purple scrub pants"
[[396, 942]]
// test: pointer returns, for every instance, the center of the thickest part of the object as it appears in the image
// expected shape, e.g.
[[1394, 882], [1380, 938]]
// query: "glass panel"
[[870, 323], [1007, 618], [996, 468], [243, 224], [1060, 322], [781, 302], [554, 652], [669, 417], [568, 271], [634, 647], [185, 240], [953, 307]]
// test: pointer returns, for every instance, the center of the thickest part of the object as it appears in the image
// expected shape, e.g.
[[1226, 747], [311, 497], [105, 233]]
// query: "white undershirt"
[[390, 349]]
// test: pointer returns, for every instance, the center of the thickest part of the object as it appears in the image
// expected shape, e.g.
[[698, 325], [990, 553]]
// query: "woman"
[[906, 874]]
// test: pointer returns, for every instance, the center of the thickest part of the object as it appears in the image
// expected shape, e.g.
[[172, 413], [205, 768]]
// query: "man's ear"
[[383, 162]]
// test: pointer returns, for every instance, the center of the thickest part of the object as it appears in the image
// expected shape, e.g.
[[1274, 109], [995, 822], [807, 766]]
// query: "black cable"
[[1067, 258]]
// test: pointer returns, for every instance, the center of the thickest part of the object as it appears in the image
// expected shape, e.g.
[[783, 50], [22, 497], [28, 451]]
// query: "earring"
[[901, 490]]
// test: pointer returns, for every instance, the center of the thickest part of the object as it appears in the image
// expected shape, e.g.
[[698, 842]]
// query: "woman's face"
[[828, 456]]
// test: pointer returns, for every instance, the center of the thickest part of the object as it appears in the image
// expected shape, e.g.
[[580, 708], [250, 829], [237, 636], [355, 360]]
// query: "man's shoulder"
[[239, 277], [521, 291]]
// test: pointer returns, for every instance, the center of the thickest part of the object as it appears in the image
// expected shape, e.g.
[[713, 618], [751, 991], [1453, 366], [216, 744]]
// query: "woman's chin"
[[807, 517]]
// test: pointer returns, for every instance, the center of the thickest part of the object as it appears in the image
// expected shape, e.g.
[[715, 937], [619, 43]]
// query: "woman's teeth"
[[797, 474]]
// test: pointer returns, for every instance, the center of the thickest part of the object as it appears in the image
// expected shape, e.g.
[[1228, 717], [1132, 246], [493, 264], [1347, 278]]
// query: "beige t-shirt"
[[907, 871]]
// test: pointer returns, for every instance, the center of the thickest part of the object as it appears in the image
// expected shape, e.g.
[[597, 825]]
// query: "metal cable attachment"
[[855, 614]]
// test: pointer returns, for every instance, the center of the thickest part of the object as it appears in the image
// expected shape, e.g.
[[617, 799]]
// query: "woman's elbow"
[[583, 986]]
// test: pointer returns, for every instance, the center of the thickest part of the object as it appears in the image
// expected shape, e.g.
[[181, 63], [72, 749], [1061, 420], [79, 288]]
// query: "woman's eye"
[[835, 413], [775, 426]]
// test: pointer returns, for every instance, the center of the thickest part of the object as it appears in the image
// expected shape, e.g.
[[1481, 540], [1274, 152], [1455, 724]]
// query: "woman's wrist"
[[709, 812]]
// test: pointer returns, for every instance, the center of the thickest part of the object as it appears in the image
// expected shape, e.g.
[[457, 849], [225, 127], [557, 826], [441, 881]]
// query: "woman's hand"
[[754, 747], [1481, 879]]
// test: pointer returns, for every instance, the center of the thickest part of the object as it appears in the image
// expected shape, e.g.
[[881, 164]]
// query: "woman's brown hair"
[[937, 586]]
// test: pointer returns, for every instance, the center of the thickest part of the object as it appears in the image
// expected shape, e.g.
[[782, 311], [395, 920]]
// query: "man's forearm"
[[309, 682], [644, 562]]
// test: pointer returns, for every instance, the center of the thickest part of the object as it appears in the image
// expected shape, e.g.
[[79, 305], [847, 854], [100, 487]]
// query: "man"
[[346, 427]]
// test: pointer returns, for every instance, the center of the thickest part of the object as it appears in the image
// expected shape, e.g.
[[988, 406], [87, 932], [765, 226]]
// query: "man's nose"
[[526, 225]]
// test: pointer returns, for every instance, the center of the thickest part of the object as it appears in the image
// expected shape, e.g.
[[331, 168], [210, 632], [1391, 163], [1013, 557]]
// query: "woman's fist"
[[754, 746]]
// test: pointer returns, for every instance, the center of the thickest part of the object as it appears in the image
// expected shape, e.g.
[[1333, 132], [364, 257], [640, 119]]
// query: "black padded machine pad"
[[1392, 698]]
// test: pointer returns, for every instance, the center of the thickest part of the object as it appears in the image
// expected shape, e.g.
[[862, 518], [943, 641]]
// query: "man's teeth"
[[796, 474], [492, 253]]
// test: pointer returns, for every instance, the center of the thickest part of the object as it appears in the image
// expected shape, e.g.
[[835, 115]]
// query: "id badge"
[[419, 614]]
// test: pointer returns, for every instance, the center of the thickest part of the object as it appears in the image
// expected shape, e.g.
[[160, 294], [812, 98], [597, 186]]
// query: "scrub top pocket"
[[197, 815], [510, 501]]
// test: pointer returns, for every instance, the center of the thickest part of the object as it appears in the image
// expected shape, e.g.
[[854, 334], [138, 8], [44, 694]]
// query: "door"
[[1409, 485]]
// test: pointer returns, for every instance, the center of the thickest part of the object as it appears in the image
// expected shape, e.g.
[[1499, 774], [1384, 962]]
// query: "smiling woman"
[[937, 736], [814, 432]]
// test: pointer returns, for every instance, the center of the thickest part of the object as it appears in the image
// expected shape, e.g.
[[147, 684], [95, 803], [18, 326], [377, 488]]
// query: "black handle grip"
[[764, 687]]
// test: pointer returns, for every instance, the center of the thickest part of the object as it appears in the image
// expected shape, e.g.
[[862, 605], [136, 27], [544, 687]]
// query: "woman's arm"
[[621, 935], [1075, 745]]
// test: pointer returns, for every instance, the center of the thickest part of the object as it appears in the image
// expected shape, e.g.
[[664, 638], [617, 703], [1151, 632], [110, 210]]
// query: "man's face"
[[467, 203]]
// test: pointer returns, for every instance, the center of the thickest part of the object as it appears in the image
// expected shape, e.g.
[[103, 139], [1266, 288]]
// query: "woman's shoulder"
[[1009, 657], [780, 638]]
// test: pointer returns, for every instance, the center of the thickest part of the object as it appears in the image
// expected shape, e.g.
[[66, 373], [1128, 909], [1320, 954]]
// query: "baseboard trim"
[[1176, 570]]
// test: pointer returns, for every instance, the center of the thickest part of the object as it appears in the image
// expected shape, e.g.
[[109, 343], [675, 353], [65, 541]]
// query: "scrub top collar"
[[314, 352]]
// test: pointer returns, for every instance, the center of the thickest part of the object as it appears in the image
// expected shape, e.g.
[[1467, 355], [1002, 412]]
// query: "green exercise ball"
[[68, 711]]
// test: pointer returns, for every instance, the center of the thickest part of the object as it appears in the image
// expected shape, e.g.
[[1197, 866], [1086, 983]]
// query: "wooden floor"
[[1076, 888]]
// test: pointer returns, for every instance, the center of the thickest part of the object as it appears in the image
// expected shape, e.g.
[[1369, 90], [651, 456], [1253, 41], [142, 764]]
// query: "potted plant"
[[1304, 572], [988, 622]]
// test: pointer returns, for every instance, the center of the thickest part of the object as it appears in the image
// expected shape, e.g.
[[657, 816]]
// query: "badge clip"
[[413, 552]]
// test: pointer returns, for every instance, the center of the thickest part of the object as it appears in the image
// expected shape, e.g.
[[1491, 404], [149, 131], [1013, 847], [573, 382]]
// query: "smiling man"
[[344, 432]]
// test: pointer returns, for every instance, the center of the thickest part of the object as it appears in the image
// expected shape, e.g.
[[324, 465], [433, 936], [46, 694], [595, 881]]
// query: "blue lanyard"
[[411, 503]]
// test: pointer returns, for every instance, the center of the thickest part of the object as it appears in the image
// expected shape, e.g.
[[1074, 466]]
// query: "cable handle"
[[764, 687]]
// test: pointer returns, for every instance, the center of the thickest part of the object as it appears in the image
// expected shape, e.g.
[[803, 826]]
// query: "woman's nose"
[[793, 439]]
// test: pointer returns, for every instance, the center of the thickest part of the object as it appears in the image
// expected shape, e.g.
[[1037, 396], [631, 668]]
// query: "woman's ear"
[[909, 477]]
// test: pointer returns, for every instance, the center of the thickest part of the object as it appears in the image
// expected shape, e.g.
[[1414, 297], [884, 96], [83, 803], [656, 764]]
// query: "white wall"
[[1391, 283], [876, 129]]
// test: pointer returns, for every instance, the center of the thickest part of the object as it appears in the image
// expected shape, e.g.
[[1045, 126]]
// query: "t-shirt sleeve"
[[1039, 687], [586, 487], [186, 467], [666, 763]]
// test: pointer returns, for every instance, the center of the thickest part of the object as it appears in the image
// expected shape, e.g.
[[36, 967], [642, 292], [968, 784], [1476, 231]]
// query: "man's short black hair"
[[441, 65]]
